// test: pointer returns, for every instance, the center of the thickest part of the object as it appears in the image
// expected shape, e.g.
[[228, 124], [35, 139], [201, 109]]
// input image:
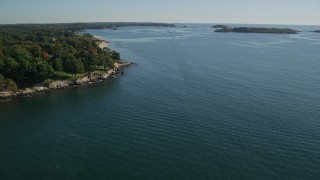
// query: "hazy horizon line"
[[41, 23]]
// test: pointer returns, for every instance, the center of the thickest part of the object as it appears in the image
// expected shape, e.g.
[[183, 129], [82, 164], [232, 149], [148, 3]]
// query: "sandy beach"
[[102, 43]]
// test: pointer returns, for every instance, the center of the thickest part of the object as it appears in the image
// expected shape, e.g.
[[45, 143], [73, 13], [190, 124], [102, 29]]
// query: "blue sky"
[[175, 11]]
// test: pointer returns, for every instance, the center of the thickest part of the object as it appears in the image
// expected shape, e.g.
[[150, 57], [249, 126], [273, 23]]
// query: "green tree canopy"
[[31, 54]]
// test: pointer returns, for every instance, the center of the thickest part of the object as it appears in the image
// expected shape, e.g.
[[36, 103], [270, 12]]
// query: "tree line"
[[82, 26], [257, 30]]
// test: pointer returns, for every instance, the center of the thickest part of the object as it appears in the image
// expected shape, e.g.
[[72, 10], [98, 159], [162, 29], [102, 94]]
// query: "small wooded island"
[[41, 57], [316, 31], [219, 26], [257, 30]]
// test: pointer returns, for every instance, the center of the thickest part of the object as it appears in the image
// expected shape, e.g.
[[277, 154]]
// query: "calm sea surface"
[[199, 105]]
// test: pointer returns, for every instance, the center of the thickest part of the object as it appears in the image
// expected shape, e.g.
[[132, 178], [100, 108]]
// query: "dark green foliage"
[[10, 85], [57, 64], [115, 55], [44, 71], [74, 66], [7, 84], [1, 63], [31, 54]]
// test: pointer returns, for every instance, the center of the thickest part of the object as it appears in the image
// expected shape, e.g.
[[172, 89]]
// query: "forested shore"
[[30, 56], [34, 53]]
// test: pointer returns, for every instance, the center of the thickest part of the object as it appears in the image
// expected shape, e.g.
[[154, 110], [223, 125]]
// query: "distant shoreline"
[[89, 25], [257, 30]]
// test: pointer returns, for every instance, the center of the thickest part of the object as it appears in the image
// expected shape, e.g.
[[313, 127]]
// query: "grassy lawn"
[[68, 76], [64, 76]]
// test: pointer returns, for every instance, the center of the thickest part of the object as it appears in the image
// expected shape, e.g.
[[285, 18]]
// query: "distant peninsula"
[[258, 30]]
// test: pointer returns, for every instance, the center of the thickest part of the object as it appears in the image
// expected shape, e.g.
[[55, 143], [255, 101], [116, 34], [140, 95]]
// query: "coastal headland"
[[36, 58]]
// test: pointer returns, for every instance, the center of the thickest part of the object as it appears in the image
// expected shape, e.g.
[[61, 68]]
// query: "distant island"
[[316, 31], [219, 26], [37, 58], [258, 30]]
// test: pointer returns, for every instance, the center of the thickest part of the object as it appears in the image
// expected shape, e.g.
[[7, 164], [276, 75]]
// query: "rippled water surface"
[[199, 105]]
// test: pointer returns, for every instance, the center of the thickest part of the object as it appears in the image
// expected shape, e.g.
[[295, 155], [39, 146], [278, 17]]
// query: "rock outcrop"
[[6, 94], [60, 84]]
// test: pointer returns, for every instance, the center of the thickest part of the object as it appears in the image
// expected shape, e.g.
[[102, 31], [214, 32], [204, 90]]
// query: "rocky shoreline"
[[91, 78]]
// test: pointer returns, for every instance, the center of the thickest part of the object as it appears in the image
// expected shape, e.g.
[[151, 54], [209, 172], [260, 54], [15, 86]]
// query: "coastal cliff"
[[91, 78]]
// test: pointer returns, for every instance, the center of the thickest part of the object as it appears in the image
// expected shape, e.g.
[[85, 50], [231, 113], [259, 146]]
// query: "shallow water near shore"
[[199, 105]]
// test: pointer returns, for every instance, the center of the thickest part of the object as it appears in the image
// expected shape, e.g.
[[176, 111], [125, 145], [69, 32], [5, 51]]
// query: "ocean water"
[[199, 105]]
